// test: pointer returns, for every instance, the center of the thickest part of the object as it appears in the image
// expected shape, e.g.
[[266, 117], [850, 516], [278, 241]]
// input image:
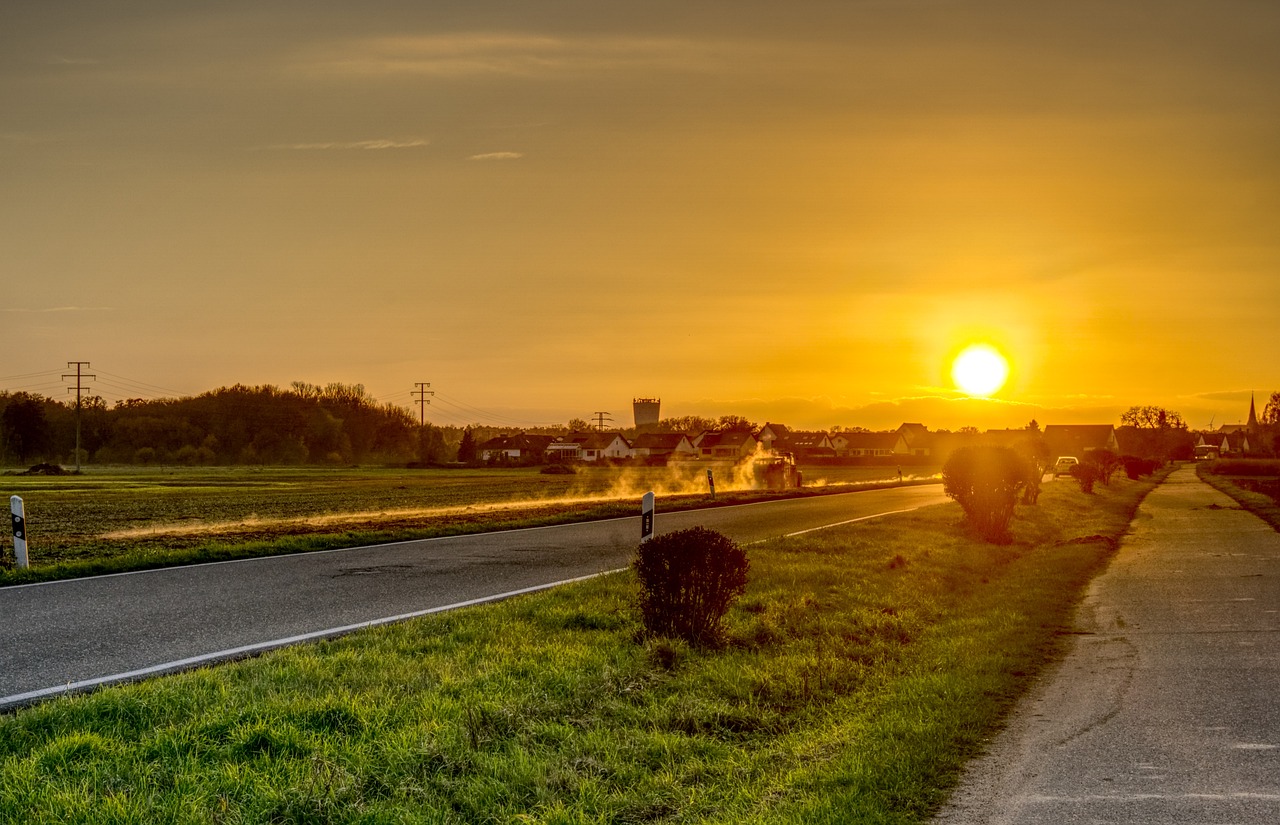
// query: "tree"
[[25, 428], [735, 424], [1271, 413], [1152, 417], [578, 425], [467, 447]]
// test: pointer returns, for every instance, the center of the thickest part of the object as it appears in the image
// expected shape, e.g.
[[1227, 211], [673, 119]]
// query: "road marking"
[[848, 521], [262, 647]]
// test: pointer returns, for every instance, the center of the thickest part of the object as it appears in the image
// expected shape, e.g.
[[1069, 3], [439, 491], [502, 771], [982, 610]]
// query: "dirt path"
[[1167, 708]]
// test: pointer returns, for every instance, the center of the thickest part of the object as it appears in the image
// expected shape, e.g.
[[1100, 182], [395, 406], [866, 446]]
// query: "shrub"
[[1087, 473], [985, 481], [688, 579]]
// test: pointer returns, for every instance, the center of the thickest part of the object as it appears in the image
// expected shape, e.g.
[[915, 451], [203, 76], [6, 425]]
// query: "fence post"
[[18, 512], [711, 483], [646, 517]]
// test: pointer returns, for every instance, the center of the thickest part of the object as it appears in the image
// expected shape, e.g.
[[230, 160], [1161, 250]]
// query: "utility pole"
[[422, 392], [80, 375], [600, 418]]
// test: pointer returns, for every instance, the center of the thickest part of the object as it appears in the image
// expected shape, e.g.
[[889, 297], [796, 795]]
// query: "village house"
[[872, 445], [918, 439], [732, 445], [806, 445], [590, 446], [521, 449], [666, 446], [771, 433], [1079, 439]]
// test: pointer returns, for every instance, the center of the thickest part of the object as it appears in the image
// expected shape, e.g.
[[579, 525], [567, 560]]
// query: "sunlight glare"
[[980, 370]]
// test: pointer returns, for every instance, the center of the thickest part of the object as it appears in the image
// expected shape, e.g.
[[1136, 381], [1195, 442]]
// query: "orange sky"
[[796, 212]]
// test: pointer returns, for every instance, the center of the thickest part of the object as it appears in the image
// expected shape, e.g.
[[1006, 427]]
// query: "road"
[[77, 634], [1166, 709]]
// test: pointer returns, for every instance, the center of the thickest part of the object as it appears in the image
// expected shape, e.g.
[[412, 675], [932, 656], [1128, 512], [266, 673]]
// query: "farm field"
[[164, 515]]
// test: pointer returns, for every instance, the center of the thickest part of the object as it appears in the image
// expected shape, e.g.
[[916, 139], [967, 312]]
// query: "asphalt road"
[[1167, 708], [78, 634]]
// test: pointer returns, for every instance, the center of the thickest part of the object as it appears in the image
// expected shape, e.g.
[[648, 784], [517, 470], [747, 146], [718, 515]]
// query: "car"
[[1062, 467]]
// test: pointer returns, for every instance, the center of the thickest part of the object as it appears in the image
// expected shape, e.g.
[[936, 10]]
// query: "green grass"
[[108, 521], [863, 666], [1244, 480]]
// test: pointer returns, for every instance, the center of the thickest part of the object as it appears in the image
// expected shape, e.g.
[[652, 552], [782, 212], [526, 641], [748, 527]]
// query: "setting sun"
[[980, 370]]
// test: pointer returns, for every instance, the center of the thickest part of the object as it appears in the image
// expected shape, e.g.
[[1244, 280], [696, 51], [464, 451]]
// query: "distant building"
[[1078, 439], [591, 446], [646, 410], [669, 446]]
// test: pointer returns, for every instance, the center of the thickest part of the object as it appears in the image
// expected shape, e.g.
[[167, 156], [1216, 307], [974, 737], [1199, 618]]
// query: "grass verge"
[[95, 556], [1240, 473], [864, 665]]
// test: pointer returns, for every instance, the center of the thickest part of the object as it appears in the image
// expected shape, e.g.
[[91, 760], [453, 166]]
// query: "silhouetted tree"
[[1152, 417], [467, 447], [1271, 412], [24, 428]]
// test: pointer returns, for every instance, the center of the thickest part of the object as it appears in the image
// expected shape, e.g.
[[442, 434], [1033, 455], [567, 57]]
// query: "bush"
[[986, 481], [1087, 473], [688, 579]]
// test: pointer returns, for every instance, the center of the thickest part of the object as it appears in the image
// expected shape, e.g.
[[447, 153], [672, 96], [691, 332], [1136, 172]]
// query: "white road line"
[[18, 699], [262, 647]]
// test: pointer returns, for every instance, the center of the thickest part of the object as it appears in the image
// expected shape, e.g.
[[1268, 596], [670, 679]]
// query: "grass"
[[861, 669], [118, 519], [1253, 483]]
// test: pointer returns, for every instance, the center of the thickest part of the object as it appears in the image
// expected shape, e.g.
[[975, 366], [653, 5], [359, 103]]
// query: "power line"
[[422, 392], [80, 376], [600, 418]]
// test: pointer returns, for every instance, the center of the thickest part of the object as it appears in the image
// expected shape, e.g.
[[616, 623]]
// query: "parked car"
[[1062, 467]]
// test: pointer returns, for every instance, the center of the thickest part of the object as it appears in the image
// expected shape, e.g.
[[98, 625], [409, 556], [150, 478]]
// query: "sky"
[[794, 212]]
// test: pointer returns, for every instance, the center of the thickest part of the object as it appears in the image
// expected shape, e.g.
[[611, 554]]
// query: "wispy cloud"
[[476, 53], [497, 156], [412, 143], [56, 309]]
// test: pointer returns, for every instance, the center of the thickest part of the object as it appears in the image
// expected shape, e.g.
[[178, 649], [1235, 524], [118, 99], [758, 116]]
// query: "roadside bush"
[[1088, 473], [1106, 462], [986, 481], [1135, 468], [688, 579]]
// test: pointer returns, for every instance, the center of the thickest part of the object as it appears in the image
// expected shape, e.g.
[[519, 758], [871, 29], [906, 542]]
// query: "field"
[[862, 668], [124, 518]]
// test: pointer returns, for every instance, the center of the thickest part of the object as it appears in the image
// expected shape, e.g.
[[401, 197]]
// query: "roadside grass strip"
[[861, 669]]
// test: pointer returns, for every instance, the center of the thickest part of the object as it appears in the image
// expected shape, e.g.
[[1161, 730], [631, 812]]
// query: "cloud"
[[484, 53], [497, 156], [412, 143], [57, 309]]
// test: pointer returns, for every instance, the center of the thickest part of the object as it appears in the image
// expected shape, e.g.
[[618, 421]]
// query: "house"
[[771, 433], [873, 445], [522, 448], [732, 445], [589, 446], [1078, 439], [669, 446], [1216, 444], [806, 445], [918, 438]]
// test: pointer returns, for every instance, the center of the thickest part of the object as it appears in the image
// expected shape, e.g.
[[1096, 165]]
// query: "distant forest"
[[334, 425]]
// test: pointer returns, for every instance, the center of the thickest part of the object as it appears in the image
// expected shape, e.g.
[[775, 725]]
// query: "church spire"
[[1253, 415]]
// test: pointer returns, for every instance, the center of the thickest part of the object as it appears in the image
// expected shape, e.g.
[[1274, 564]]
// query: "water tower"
[[645, 410]]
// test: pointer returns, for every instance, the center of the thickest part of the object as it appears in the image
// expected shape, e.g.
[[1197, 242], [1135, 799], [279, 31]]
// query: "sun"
[[980, 370]]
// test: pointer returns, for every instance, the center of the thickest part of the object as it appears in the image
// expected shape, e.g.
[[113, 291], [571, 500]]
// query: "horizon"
[[803, 215]]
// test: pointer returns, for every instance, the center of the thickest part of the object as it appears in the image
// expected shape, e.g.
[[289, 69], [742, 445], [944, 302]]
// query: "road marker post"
[[711, 483], [646, 517], [18, 513]]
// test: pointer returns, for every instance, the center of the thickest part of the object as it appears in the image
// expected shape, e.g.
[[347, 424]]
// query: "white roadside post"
[[646, 517], [19, 530], [711, 484]]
